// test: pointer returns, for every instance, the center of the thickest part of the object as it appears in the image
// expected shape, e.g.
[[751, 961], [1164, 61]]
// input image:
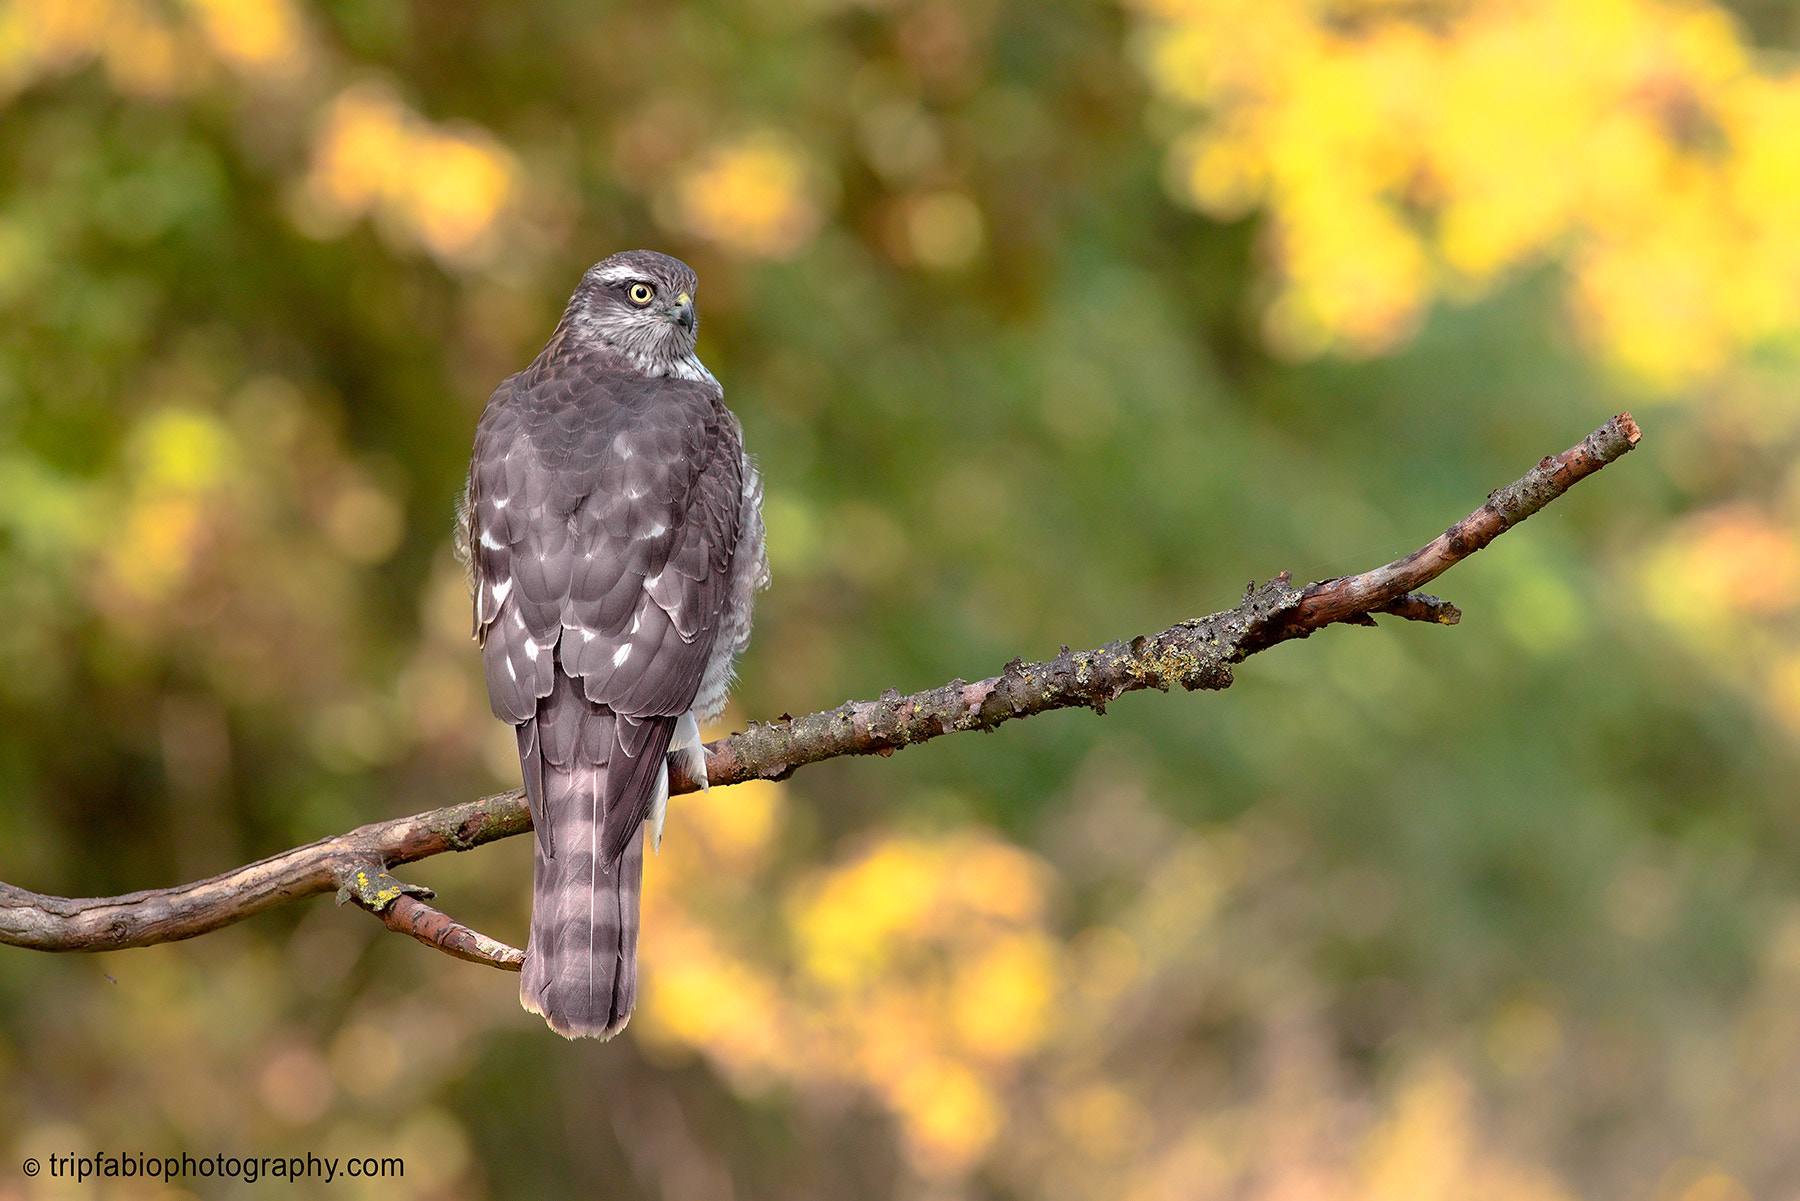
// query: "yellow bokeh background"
[[1128, 963], [1403, 158]]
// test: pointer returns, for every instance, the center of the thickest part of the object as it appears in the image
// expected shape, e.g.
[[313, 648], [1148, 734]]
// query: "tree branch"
[[1198, 653]]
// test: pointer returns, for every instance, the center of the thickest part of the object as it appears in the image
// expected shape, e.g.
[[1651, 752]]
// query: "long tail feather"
[[580, 969]]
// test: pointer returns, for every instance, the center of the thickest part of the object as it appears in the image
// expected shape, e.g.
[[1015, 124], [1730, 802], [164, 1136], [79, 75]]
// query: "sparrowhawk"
[[614, 538]]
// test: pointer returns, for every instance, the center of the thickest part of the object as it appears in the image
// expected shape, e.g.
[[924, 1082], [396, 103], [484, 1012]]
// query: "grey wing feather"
[[601, 527]]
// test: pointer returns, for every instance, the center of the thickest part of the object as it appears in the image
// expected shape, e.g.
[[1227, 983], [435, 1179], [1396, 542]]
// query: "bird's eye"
[[640, 293]]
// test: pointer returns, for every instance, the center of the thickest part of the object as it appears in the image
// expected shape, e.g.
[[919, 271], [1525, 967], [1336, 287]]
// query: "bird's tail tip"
[[573, 1026]]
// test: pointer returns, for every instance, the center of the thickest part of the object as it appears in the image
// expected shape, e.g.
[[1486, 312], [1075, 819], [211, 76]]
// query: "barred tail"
[[581, 781]]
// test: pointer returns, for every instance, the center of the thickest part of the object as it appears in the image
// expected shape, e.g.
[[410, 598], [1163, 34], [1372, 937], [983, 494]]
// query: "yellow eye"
[[640, 293]]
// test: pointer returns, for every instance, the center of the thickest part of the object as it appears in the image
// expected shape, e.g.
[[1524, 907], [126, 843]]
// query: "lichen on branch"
[[1195, 654]]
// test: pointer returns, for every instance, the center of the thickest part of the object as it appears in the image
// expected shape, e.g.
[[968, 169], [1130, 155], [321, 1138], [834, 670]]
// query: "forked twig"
[[1194, 654]]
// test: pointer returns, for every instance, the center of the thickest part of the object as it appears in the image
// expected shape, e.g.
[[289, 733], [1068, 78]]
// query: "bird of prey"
[[613, 531]]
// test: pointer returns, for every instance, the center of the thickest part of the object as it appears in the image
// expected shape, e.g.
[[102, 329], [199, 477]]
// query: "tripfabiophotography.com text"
[[247, 1168]]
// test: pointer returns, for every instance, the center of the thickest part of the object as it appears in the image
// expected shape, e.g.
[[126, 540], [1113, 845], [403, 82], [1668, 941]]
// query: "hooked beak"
[[684, 315]]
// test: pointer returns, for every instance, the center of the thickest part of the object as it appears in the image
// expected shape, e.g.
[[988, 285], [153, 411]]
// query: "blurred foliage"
[[1050, 323]]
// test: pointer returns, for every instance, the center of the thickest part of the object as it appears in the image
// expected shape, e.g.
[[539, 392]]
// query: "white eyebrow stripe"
[[618, 275]]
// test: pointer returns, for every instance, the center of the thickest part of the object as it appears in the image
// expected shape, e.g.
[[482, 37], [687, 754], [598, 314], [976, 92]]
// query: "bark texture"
[[1198, 653]]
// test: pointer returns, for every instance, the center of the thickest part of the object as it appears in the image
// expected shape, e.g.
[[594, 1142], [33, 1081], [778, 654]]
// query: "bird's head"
[[641, 303]]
